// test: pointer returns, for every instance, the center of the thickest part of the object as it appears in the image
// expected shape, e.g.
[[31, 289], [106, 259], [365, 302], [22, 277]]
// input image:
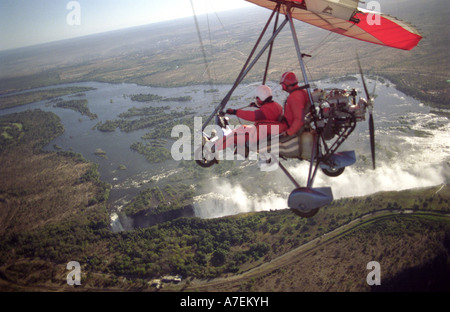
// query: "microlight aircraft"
[[333, 114]]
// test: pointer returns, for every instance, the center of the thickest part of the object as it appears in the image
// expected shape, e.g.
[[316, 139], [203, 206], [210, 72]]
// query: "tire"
[[201, 160], [333, 172], [308, 214]]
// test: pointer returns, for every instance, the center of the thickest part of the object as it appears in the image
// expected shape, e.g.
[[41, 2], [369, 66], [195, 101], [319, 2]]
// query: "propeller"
[[370, 108]]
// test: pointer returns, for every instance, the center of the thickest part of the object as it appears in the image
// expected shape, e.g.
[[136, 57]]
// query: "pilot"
[[268, 114], [296, 105]]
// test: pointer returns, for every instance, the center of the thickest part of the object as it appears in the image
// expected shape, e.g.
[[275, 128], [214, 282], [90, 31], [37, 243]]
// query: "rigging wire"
[[213, 55], [319, 48], [205, 60], [202, 47]]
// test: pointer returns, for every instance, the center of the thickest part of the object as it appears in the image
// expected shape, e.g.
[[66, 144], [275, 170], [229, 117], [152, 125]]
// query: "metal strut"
[[311, 173], [247, 67], [299, 53], [288, 175], [269, 56]]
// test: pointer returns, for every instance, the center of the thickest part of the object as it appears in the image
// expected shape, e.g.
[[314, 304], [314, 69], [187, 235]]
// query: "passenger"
[[269, 114]]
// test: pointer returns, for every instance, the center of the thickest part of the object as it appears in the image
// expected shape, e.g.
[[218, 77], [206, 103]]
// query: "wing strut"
[[277, 8], [311, 173], [299, 53], [247, 67]]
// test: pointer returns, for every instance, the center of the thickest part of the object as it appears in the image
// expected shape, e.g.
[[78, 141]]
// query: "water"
[[412, 150], [413, 146], [108, 101]]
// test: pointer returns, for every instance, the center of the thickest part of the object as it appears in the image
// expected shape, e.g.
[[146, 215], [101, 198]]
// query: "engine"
[[338, 110], [335, 101]]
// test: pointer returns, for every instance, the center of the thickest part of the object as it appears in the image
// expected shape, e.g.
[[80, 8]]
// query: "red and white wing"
[[345, 18]]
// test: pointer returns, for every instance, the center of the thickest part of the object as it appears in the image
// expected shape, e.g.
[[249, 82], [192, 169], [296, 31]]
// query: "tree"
[[218, 257]]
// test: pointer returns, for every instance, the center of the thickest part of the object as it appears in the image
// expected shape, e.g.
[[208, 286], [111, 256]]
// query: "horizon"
[[85, 36], [27, 24]]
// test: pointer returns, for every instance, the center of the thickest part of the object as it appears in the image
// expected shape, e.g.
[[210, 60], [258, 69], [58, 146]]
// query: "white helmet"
[[263, 93]]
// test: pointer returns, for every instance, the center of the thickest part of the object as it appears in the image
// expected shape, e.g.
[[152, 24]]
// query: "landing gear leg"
[[305, 202]]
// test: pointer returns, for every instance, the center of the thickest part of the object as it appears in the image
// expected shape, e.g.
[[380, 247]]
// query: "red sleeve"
[[250, 115], [297, 103]]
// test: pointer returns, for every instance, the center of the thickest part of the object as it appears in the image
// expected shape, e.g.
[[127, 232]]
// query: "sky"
[[30, 22]]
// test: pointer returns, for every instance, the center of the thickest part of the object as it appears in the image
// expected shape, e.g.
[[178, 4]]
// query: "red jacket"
[[295, 110], [269, 113]]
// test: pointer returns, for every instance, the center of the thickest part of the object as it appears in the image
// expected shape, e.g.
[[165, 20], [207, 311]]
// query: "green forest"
[[39, 95], [80, 106]]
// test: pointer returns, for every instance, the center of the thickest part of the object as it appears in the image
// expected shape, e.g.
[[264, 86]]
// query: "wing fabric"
[[345, 18]]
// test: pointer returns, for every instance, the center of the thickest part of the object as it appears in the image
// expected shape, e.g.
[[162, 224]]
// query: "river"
[[413, 144]]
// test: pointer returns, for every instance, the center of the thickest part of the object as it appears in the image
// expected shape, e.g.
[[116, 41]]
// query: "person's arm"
[[256, 115]]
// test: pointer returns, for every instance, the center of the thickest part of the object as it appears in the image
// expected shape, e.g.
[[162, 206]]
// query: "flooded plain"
[[413, 145]]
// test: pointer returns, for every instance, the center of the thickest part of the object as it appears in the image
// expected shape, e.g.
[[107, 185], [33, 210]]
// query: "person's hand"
[[231, 111], [283, 134], [253, 104]]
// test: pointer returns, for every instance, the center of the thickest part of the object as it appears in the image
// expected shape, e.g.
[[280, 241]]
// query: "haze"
[[25, 23]]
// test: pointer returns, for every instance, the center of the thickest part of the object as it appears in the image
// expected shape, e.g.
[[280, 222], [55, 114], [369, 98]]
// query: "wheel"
[[333, 172], [203, 161], [308, 214]]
